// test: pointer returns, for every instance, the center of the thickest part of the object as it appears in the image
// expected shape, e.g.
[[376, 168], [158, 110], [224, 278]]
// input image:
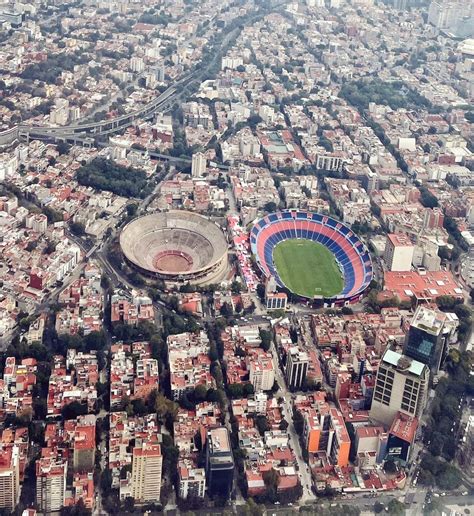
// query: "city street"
[[303, 472]]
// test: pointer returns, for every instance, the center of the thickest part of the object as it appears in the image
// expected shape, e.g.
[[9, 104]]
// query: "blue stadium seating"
[[349, 251]]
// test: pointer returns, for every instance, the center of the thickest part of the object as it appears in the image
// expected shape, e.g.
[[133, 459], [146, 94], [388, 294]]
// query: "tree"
[[310, 385], [73, 410], [271, 480], [449, 448], [226, 310], [236, 287], [78, 509], [248, 389], [291, 495], [283, 425], [298, 422], [129, 504], [200, 393], [132, 209], [106, 481], [213, 355], [390, 467], [361, 92], [63, 148], [50, 247], [212, 395], [32, 245], [251, 508], [437, 443], [433, 507], [266, 337], [104, 174], [270, 207], [426, 478], [447, 302], [191, 503], [275, 387], [166, 410], [25, 416], [170, 456], [139, 407], [449, 479], [77, 228], [235, 390], [462, 311], [261, 422], [396, 508], [96, 340]]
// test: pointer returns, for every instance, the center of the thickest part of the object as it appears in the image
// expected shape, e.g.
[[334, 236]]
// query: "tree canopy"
[[107, 175], [394, 94]]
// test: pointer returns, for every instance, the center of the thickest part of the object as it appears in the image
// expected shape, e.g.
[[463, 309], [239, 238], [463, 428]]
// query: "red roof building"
[[424, 285]]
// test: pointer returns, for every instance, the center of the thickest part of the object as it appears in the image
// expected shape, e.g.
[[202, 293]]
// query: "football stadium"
[[177, 246], [313, 256]]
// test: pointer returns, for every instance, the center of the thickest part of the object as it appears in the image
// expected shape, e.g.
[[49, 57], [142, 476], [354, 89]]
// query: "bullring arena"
[[176, 246]]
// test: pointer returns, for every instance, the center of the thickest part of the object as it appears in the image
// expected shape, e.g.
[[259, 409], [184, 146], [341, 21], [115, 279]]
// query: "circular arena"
[[175, 246], [314, 256]]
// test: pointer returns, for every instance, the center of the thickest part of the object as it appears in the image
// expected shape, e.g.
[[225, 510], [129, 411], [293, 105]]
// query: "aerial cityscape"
[[236, 257]]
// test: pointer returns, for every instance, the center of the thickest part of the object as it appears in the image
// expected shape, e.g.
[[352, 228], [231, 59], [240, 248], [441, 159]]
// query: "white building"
[[276, 301], [9, 478], [198, 166], [51, 475], [38, 222], [8, 166], [137, 65], [444, 14], [399, 251], [329, 162], [262, 374], [231, 62], [192, 480]]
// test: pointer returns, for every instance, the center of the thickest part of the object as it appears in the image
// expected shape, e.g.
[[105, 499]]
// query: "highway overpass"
[[104, 127]]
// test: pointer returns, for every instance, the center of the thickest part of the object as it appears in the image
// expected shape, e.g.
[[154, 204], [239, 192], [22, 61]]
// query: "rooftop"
[[147, 450], [219, 440], [400, 240], [428, 320], [404, 427], [369, 431], [422, 284], [403, 363]]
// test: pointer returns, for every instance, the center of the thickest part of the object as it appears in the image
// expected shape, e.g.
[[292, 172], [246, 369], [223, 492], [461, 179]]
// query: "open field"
[[307, 268]]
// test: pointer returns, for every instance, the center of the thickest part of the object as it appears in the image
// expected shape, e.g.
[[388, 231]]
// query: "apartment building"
[[51, 472], [147, 464], [399, 251], [401, 386], [219, 461], [9, 477], [296, 367], [261, 373]]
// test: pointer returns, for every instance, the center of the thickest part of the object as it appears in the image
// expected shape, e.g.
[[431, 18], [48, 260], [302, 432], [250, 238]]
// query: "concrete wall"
[[9, 136]]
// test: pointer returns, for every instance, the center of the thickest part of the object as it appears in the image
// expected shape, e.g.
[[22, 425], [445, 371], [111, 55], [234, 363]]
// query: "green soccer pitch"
[[307, 268]]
